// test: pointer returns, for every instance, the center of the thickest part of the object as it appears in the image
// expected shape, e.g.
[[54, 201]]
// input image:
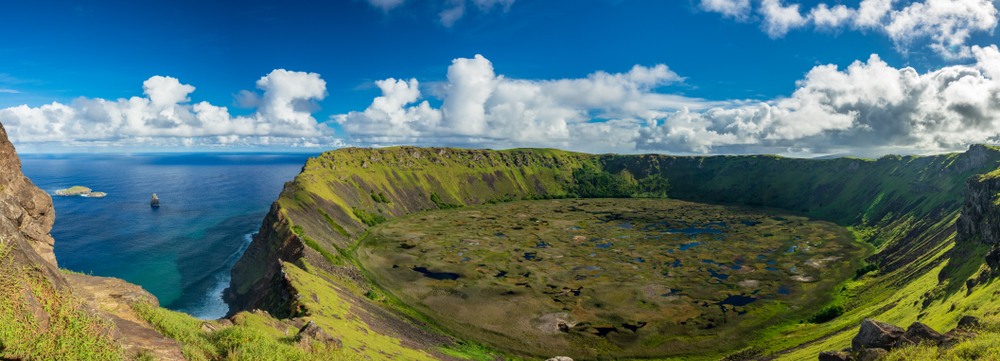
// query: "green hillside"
[[905, 207]]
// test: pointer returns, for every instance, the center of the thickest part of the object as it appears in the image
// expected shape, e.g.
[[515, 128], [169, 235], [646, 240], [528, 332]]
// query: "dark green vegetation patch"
[[622, 277]]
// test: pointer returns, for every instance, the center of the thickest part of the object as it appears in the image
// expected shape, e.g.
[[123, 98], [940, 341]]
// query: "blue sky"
[[752, 76]]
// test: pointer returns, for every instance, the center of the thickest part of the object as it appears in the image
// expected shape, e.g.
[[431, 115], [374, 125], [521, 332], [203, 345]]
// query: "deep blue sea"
[[182, 251]]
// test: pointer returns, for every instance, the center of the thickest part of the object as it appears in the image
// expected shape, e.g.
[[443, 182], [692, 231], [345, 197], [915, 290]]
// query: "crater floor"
[[616, 277]]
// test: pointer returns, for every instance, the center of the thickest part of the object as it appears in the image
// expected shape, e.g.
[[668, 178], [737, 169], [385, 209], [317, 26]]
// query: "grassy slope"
[[905, 206], [69, 333]]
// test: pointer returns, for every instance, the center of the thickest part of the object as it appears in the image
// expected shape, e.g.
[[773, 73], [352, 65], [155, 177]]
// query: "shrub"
[[865, 270], [368, 218], [826, 314], [441, 204]]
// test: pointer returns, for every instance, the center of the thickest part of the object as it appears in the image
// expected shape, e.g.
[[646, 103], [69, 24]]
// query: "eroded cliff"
[[51, 315]]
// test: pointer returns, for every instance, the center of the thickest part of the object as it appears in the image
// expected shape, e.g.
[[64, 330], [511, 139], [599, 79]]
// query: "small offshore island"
[[80, 191]]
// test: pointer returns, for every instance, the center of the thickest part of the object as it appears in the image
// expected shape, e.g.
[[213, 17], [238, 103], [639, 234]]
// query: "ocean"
[[181, 252]]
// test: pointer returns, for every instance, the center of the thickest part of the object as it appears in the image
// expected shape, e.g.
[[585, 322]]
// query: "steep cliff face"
[[88, 316], [260, 265], [26, 216], [339, 191], [980, 219]]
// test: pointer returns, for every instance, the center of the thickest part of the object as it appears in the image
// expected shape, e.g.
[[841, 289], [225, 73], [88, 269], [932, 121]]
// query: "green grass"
[[337, 227], [72, 333], [330, 257], [442, 204], [368, 218], [628, 288], [253, 337], [986, 346], [70, 272], [903, 206]]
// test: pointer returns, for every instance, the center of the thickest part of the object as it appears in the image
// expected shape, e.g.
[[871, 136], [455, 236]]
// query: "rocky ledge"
[[26, 218], [875, 339]]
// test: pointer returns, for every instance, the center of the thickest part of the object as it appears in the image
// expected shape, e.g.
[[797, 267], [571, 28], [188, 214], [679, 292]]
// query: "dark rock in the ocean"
[[871, 354], [155, 202], [969, 322], [875, 334], [835, 356], [918, 333]]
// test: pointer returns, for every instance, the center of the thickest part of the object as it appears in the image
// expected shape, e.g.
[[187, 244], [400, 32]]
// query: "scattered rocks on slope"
[[875, 334], [871, 354], [835, 356], [969, 322], [875, 339], [312, 332]]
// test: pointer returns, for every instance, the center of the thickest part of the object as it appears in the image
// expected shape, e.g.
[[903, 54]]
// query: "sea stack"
[[155, 202]]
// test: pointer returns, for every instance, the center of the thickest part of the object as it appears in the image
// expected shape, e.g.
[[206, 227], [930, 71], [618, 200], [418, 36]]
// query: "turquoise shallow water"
[[182, 251]]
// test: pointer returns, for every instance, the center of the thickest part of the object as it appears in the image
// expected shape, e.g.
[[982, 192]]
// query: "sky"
[[688, 77]]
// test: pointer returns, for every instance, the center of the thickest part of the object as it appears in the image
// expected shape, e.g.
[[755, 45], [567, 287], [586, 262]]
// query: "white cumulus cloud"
[[738, 9], [165, 116], [868, 107], [480, 108], [452, 10], [944, 25]]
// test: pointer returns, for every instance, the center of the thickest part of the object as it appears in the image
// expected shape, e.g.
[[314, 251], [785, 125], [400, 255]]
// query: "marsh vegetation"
[[615, 277]]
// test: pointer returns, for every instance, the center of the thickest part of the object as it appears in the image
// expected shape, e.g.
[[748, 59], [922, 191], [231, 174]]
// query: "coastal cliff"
[[980, 219], [27, 215], [88, 317], [339, 194]]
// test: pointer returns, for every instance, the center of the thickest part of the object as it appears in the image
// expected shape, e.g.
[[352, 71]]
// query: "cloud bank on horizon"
[[163, 117], [946, 24], [868, 108]]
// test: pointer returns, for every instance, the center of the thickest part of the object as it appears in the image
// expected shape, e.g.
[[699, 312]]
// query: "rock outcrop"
[[27, 215], [26, 218], [155, 202], [980, 218], [112, 299], [875, 339]]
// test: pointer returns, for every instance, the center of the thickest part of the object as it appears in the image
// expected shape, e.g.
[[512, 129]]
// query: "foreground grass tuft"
[[986, 346], [71, 333], [251, 338]]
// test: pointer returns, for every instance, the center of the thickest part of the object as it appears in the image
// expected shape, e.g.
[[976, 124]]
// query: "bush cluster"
[[368, 218], [441, 204], [826, 314]]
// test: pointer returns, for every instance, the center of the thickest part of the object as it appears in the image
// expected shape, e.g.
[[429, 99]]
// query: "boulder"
[[871, 354], [955, 336], [560, 358], [835, 356], [312, 332], [875, 334], [969, 322], [918, 333]]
